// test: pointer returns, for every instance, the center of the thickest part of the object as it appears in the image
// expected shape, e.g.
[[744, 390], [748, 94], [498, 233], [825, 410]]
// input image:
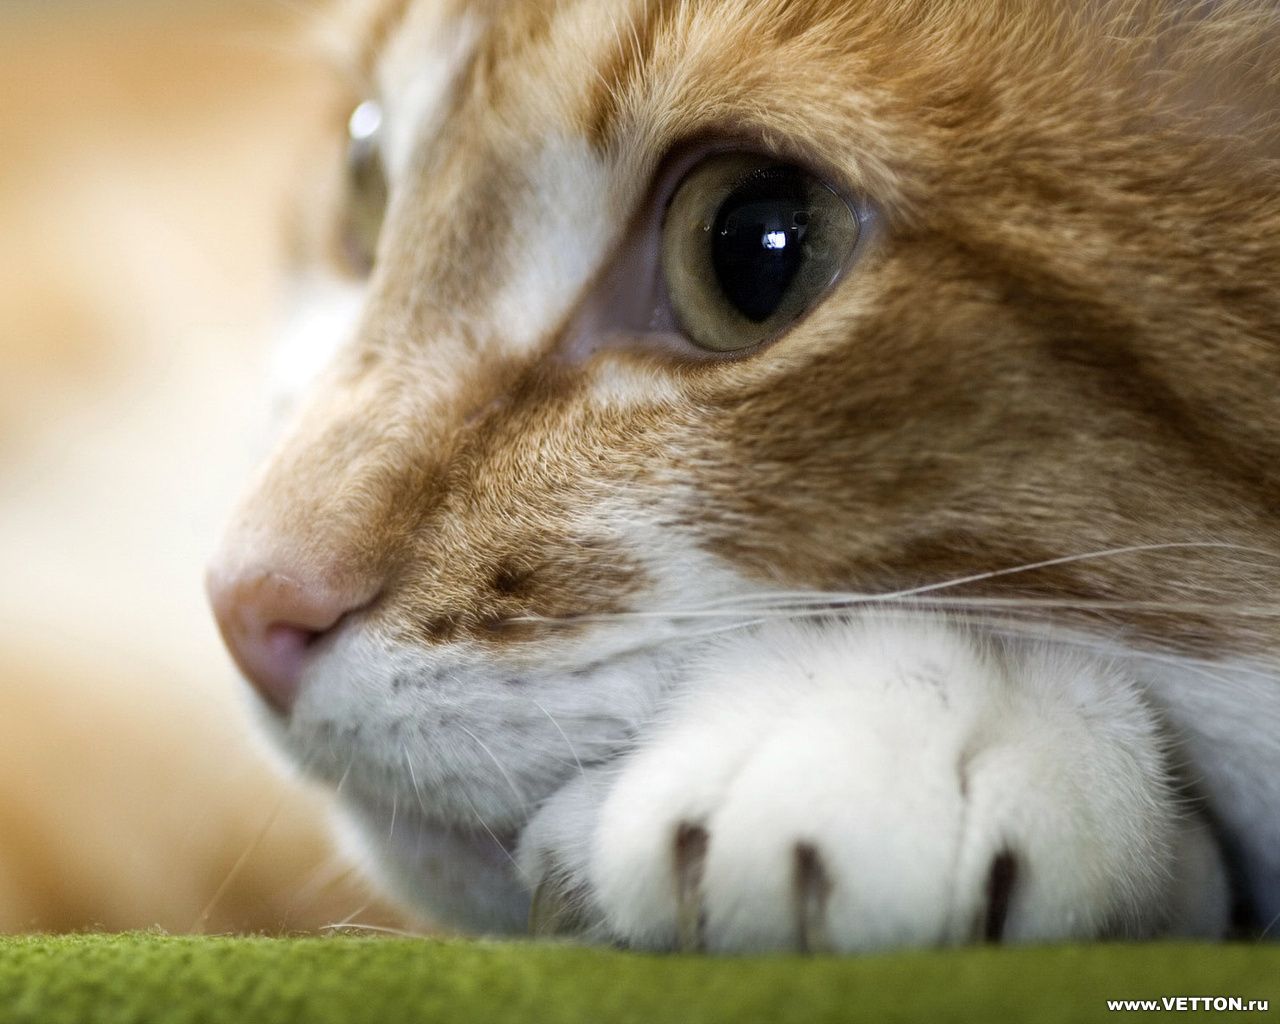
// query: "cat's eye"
[[749, 246], [366, 188]]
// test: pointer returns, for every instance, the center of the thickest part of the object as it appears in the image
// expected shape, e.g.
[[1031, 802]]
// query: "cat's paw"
[[874, 785]]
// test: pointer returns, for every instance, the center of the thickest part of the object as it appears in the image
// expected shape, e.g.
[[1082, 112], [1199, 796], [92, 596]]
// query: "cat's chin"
[[455, 878]]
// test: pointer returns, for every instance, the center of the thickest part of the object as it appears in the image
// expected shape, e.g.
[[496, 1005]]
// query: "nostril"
[[269, 621], [277, 667], [289, 641]]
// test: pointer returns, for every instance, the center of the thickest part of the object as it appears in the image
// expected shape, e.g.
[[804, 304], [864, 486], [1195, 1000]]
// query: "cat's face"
[[1029, 310]]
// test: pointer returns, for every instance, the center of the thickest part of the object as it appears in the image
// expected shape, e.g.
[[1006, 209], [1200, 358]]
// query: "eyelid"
[[686, 154]]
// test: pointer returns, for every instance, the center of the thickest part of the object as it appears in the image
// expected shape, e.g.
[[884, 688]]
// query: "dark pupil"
[[756, 241]]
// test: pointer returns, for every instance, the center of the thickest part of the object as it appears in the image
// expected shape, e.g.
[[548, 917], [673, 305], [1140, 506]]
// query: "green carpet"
[[152, 979]]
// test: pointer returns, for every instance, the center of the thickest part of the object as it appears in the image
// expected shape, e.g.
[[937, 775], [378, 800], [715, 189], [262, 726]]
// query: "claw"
[[690, 858], [1000, 882], [812, 893]]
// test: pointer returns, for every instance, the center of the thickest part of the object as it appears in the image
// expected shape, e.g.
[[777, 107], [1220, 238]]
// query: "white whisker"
[[413, 779], [799, 604], [1267, 930], [492, 835], [828, 605], [348, 919], [563, 734], [381, 929], [521, 799]]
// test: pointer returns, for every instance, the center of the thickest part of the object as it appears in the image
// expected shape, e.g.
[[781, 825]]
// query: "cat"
[[788, 475]]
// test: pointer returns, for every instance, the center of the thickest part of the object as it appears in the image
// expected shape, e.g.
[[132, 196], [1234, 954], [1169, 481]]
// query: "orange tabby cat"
[[790, 474]]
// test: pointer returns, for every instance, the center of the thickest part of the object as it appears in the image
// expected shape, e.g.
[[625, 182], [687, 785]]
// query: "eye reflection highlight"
[[366, 121]]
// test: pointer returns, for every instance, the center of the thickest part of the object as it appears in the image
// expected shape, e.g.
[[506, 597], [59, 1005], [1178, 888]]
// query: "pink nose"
[[269, 621]]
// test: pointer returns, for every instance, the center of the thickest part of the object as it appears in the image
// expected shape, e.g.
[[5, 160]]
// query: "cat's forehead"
[[572, 65]]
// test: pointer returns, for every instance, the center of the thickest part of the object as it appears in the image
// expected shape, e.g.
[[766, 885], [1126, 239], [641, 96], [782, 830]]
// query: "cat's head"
[[679, 312]]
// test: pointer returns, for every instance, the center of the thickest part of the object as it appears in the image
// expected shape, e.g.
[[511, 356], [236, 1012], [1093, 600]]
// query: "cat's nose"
[[270, 620]]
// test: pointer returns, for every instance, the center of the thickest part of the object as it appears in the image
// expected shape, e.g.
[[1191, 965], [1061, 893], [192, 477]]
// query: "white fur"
[[323, 315], [415, 75], [1227, 717], [442, 755], [618, 387], [563, 239]]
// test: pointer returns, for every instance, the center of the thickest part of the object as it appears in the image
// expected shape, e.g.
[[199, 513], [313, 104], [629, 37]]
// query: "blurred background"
[[147, 149]]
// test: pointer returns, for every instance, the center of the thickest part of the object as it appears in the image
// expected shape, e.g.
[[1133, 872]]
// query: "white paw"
[[879, 784]]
